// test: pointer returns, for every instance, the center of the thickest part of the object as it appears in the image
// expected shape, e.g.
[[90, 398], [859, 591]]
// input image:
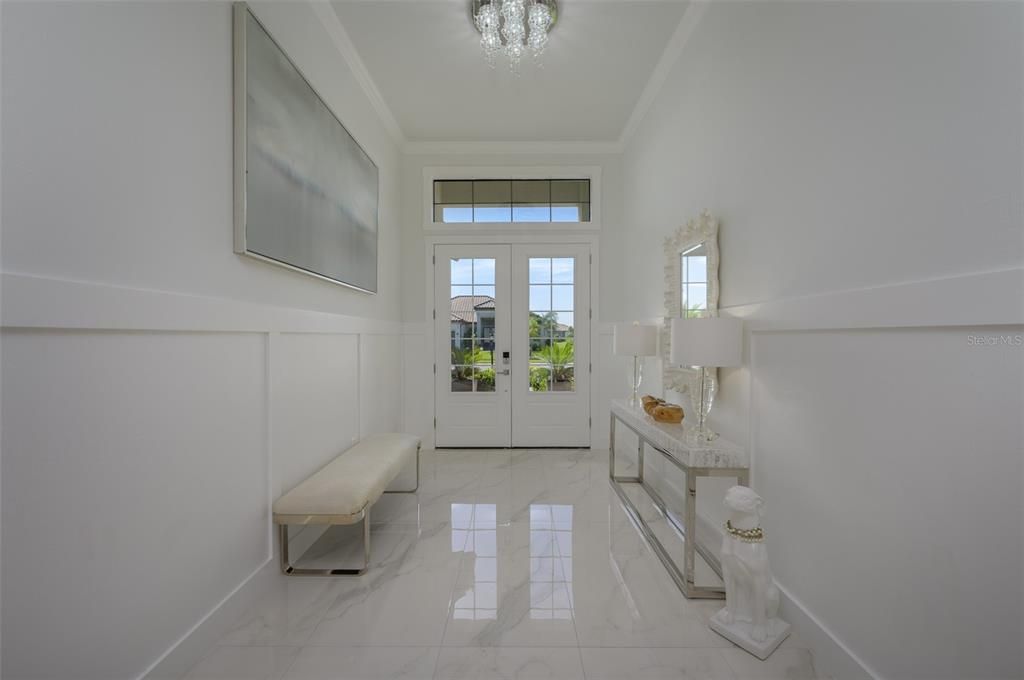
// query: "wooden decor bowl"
[[650, 403], [668, 413]]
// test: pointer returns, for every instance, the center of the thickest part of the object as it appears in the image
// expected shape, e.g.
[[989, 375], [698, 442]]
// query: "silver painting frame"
[[240, 12]]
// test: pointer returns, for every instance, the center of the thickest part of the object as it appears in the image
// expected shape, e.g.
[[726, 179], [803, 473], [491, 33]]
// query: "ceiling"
[[425, 60]]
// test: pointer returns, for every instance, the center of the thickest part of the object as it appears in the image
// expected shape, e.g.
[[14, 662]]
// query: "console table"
[[719, 458]]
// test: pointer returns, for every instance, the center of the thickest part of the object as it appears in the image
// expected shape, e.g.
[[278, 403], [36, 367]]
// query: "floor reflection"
[[550, 561], [475, 530], [547, 577], [549, 567]]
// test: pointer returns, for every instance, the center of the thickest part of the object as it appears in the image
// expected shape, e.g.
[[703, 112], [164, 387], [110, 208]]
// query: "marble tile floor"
[[505, 565]]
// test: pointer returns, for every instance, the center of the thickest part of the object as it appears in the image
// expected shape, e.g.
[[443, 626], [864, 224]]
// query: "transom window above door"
[[511, 200]]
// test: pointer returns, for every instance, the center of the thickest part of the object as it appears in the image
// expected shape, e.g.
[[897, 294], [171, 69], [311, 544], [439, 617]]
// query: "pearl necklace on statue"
[[755, 535]]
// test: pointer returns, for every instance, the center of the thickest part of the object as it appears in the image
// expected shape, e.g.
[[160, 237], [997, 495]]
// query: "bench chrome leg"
[[415, 488], [287, 568]]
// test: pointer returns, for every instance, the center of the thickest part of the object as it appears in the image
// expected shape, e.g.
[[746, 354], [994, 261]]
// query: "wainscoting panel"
[[847, 426], [145, 436], [380, 383], [315, 397], [418, 381], [608, 384], [134, 492]]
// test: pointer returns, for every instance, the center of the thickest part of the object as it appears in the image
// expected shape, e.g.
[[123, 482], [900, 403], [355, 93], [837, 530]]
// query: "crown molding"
[[676, 44], [329, 18], [510, 148]]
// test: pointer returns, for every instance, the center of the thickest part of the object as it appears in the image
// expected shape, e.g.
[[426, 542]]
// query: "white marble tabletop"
[[669, 437]]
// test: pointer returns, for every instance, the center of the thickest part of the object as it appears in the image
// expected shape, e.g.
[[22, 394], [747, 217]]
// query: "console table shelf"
[[719, 458]]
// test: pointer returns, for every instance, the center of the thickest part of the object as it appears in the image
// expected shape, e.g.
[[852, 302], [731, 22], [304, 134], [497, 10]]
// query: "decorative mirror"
[[691, 289]]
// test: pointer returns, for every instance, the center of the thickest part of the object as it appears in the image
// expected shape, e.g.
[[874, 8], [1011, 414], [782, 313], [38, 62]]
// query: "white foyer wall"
[[158, 390], [889, 134], [866, 162]]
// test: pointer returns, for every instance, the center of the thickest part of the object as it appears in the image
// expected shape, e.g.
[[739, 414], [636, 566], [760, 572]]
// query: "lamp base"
[[634, 399], [701, 435], [702, 401]]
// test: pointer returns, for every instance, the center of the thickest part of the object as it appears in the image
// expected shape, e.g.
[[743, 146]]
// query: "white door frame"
[[512, 236], [473, 419], [551, 419]]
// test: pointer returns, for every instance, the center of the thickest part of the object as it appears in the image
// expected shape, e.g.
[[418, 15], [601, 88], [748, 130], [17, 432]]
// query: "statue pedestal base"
[[739, 633]]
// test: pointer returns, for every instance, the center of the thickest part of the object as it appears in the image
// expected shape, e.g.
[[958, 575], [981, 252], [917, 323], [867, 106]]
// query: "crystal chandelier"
[[513, 27]]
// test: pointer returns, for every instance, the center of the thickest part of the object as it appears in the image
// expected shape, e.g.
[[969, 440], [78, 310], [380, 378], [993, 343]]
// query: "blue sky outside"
[[472, 276], [464, 214]]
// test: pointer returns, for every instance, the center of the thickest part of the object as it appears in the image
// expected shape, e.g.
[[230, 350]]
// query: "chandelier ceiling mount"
[[513, 27]]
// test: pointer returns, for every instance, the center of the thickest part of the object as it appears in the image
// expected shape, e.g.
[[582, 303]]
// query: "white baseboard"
[[832, 659], [197, 642]]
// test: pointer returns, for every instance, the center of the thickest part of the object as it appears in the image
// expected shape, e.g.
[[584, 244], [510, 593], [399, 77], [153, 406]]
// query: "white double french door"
[[512, 339]]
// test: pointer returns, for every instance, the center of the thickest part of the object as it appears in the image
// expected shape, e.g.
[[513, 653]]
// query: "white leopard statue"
[[750, 616]]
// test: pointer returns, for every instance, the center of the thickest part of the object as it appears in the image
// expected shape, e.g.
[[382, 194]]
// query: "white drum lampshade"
[[707, 341], [634, 340]]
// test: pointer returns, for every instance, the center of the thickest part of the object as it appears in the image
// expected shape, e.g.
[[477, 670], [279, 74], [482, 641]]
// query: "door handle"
[[505, 372]]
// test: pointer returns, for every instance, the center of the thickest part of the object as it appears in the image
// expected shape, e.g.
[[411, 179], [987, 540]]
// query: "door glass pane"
[[535, 327], [484, 291], [492, 191], [531, 191], [484, 379], [564, 380], [517, 200], [462, 379], [531, 213], [453, 192], [492, 213], [540, 270], [453, 213], [462, 272], [540, 378], [561, 296], [492, 201], [570, 190], [483, 271], [562, 269], [462, 351], [550, 328], [540, 298], [472, 318], [570, 213], [566, 320]]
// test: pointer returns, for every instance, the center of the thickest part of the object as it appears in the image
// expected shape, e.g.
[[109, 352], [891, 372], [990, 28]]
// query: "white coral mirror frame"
[[697, 239]]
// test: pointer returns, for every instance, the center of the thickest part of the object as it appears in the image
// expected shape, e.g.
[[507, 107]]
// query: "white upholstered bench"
[[342, 492]]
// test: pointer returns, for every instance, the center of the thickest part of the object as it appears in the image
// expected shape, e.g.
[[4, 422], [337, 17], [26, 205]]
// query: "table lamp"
[[706, 342], [632, 339]]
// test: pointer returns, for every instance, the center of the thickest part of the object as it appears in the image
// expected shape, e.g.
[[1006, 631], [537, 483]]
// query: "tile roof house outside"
[[473, 316], [469, 312]]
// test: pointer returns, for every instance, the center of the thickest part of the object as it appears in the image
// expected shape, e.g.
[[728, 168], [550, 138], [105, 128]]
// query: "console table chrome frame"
[[683, 578]]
